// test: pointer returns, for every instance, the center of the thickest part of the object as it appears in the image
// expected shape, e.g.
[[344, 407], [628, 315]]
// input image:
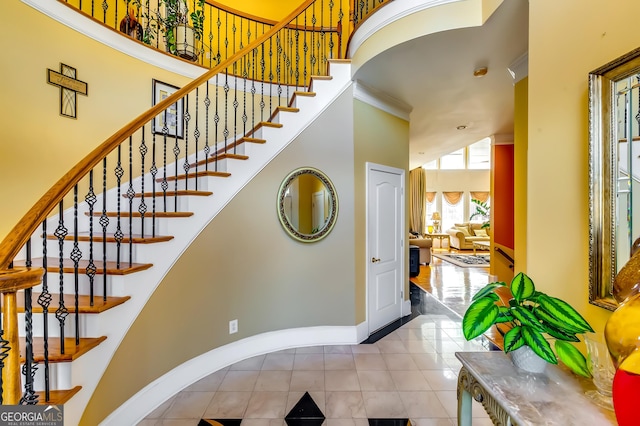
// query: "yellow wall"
[[39, 145], [567, 40], [520, 135], [383, 139]]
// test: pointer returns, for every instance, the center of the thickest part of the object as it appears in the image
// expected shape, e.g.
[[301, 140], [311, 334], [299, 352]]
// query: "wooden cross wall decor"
[[69, 88]]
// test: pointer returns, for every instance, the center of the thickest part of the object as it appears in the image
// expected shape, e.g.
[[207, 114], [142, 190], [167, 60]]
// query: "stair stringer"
[[88, 369]]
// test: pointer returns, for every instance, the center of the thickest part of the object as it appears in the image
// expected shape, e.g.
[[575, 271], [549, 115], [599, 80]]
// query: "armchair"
[[425, 247]]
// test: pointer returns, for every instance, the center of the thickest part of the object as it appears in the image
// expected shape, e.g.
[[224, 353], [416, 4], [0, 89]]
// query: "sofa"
[[425, 247], [463, 235]]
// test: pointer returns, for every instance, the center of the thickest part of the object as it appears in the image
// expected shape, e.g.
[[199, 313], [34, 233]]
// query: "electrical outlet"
[[233, 326]]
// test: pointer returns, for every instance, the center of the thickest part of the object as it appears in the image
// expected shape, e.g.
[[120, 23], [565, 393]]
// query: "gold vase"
[[622, 334]]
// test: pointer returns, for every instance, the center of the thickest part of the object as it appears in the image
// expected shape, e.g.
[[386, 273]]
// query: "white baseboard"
[[153, 395]]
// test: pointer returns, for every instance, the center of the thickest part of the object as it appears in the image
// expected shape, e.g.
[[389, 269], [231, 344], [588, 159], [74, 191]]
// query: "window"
[[430, 207], [452, 209], [479, 154], [431, 165], [453, 161]]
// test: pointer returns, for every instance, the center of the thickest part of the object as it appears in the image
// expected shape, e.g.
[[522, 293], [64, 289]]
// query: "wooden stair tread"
[[53, 265], [195, 175], [220, 156], [99, 237], [148, 215], [71, 350], [286, 109], [84, 303], [321, 77], [303, 93], [179, 193], [267, 124], [57, 397]]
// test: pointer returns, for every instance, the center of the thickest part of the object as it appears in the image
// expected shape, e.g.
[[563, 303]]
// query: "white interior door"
[[385, 222]]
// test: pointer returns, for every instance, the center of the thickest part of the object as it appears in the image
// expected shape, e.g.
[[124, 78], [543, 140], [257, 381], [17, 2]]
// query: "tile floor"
[[410, 373]]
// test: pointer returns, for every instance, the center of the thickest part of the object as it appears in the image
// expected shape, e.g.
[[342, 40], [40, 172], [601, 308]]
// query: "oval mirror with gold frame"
[[614, 172], [307, 204]]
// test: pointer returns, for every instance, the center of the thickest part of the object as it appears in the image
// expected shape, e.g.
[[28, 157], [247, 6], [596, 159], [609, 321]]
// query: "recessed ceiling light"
[[480, 72], [461, 127]]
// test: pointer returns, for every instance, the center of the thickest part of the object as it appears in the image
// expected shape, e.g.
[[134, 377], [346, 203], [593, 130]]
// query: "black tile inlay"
[[219, 422], [305, 413], [416, 295], [389, 422]]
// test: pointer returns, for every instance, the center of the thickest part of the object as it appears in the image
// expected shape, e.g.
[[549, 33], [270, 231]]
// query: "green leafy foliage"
[[572, 358], [534, 318], [480, 315], [522, 287]]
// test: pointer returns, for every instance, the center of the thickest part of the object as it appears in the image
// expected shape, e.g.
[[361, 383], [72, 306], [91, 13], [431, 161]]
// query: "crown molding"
[[519, 68], [381, 101], [502, 139]]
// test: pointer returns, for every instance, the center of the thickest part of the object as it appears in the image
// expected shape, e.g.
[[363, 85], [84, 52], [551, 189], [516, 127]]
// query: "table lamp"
[[435, 217]]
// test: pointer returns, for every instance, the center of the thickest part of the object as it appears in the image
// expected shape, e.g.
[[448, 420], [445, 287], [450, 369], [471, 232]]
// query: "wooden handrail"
[[20, 234]]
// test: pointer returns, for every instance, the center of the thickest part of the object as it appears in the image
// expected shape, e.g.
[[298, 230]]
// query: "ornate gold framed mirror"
[[307, 204], [614, 172]]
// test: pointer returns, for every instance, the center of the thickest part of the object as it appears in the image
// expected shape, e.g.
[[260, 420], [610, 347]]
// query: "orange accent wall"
[[503, 195]]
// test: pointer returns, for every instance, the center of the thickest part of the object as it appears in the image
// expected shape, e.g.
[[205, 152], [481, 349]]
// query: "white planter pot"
[[186, 43], [526, 359]]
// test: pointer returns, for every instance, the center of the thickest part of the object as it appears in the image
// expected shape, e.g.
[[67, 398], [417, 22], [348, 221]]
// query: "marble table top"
[[554, 397]]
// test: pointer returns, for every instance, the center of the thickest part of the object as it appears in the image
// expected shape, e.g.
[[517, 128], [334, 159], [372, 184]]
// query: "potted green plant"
[[483, 211], [530, 317], [181, 26]]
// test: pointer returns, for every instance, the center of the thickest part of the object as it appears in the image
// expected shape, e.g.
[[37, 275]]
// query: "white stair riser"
[[88, 324], [116, 284], [59, 376]]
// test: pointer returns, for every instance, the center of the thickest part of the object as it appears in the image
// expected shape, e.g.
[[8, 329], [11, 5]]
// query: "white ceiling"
[[434, 76]]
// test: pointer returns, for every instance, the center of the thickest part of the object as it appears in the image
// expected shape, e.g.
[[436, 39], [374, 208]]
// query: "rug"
[[465, 260]]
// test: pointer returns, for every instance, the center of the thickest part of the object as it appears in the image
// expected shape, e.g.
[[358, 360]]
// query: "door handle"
[[374, 260]]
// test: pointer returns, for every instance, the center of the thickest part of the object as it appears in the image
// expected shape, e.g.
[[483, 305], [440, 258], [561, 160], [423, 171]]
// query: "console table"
[[514, 397]]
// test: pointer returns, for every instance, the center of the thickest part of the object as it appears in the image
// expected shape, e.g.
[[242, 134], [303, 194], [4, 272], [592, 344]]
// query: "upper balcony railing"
[[207, 32]]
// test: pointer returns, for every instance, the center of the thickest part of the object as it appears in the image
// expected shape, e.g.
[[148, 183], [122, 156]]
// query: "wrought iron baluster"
[[29, 367], [331, 43], [235, 87], [225, 132], [176, 156], [154, 172], [185, 166], [196, 134], [142, 207], [206, 149], [105, 6], [262, 71], [130, 195], [119, 235], [91, 199], [44, 300], [164, 184], [104, 222], [62, 312], [296, 72], [216, 119], [279, 54], [76, 255]]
